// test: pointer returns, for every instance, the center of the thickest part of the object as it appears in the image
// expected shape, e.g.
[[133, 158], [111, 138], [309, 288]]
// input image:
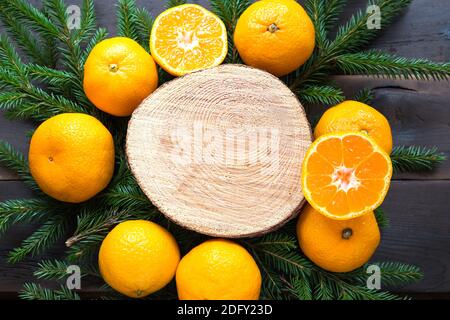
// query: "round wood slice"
[[220, 151]]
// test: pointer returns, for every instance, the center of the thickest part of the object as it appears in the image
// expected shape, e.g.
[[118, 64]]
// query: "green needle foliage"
[[382, 64], [14, 160], [52, 231], [51, 270], [174, 3], [382, 218], [414, 158], [32, 291], [230, 11], [365, 96], [34, 88], [325, 95]]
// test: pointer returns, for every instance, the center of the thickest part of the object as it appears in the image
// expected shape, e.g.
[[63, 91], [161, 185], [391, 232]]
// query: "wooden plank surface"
[[419, 113]]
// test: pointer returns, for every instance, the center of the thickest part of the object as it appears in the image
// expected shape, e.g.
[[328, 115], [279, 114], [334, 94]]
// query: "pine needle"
[[382, 218], [32, 291], [386, 65], [51, 270], [127, 21], [365, 96], [42, 239], [174, 3], [321, 95], [415, 158], [230, 11], [13, 159]]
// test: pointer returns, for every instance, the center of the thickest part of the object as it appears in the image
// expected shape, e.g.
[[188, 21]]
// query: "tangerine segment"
[[345, 175], [188, 38]]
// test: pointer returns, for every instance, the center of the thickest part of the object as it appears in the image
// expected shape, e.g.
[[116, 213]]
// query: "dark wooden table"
[[419, 112]]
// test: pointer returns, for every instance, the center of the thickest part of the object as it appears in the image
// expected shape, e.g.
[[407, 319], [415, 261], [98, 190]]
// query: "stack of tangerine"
[[346, 175]]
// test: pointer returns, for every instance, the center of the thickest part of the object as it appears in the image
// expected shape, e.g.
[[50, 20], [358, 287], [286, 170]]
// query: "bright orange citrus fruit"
[[345, 175], [72, 157], [138, 257], [118, 75], [337, 245], [218, 269], [356, 117], [188, 38], [275, 35]]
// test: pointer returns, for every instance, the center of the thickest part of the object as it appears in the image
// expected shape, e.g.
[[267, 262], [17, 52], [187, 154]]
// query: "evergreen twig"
[[32, 291], [415, 158], [323, 95], [15, 161], [382, 218], [230, 11], [353, 36], [127, 20], [383, 64], [52, 230], [365, 96], [51, 270], [25, 210], [174, 3]]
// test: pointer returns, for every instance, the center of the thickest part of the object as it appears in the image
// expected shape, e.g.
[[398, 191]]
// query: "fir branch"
[[351, 37], [322, 289], [393, 274], [382, 218], [127, 21], [230, 11], [85, 250], [333, 9], [39, 105], [324, 14], [127, 195], [15, 161], [50, 76], [382, 64], [144, 27], [174, 3], [349, 292], [71, 51], [341, 286], [10, 100], [301, 289], [396, 274], [316, 10], [285, 261], [98, 223], [12, 159], [10, 59], [43, 238], [51, 270], [415, 159], [323, 95], [276, 240], [24, 210], [355, 34], [124, 192], [88, 23], [272, 286], [29, 43], [100, 35], [30, 17], [365, 96], [32, 291]]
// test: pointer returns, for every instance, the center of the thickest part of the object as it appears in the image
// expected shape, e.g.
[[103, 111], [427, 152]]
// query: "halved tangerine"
[[345, 175], [188, 38]]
